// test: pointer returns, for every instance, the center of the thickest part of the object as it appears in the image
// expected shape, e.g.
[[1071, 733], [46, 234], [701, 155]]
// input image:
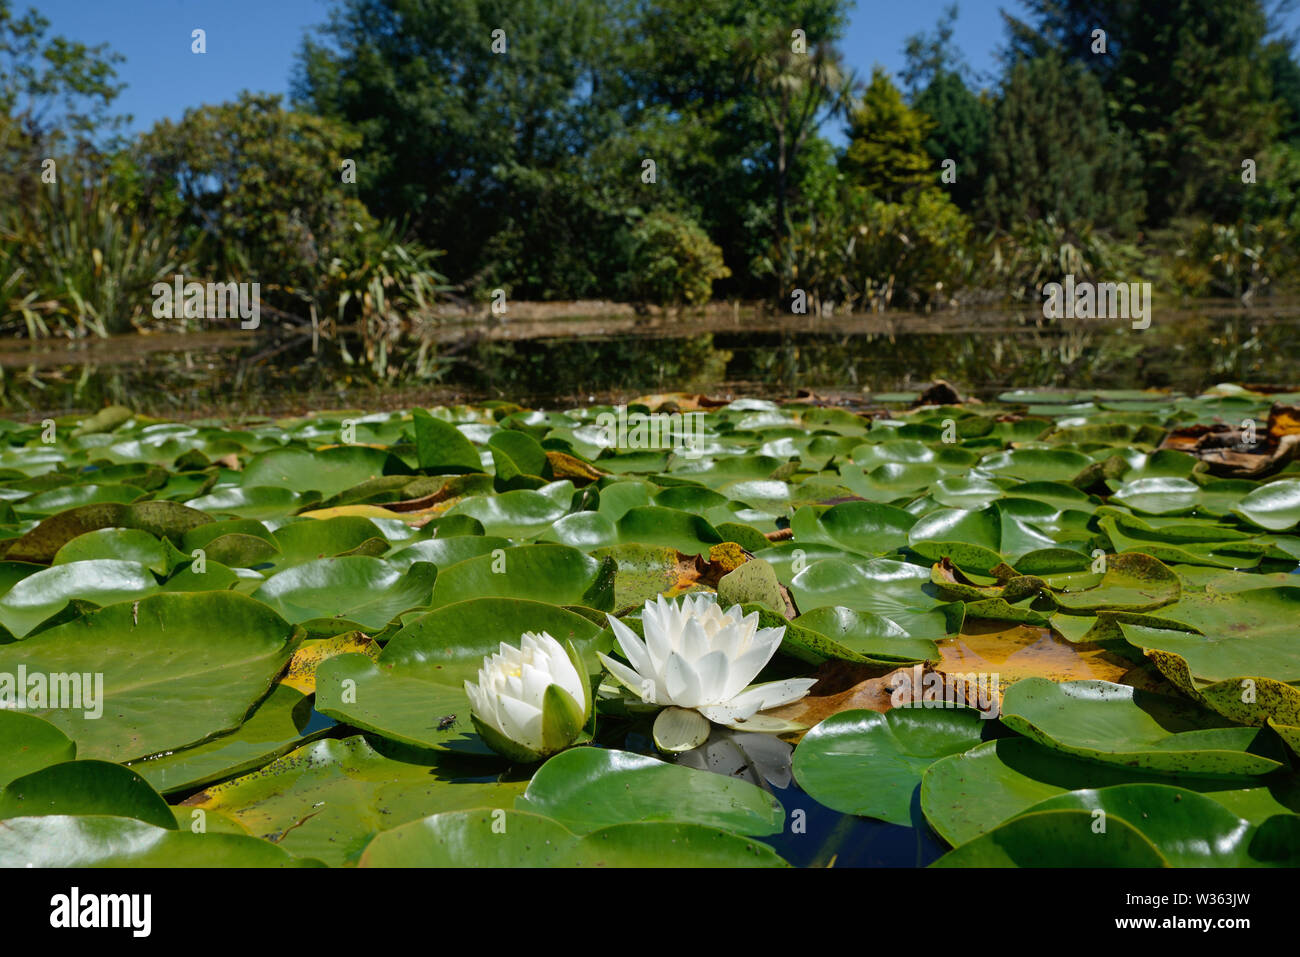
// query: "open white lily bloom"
[[699, 658], [530, 701]]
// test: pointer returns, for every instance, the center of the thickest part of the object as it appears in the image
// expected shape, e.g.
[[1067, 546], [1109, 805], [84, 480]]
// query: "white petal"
[[711, 672], [634, 682], [634, 649], [482, 705], [680, 682], [575, 684], [695, 643], [659, 642], [728, 713], [773, 694], [535, 682], [767, 724], [521, 722], [743, 671]]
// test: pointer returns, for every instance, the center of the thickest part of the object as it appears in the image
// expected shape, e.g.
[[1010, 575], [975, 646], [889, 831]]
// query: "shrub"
[[1036, 252], [1234, 259], [861, 252], [75, 261], [673, 260]]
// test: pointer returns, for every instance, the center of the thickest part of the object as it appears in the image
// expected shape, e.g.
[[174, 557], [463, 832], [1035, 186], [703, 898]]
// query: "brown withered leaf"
[[453, 487], [678, 402], [853, 402], [841, 686], [1227, 450], [1011, 585], [848, 686], [580, 473], [940, 392]]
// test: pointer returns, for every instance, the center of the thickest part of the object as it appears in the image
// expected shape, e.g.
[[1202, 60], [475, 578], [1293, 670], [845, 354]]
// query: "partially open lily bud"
[[530, 701]]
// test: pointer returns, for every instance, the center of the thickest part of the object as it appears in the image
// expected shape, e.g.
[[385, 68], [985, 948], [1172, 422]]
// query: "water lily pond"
[[1054, 627]]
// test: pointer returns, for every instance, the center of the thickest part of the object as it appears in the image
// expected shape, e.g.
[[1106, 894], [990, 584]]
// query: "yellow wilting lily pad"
[[301, 673]]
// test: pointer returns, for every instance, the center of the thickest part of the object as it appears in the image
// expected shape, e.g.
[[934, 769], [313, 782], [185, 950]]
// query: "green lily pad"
[[965, 795], [441, 447], [655, 525], [102, 581], [1070, 835], [523, 513], [1116, 724], [1188, 829], [868, 528], [327, 800], [29, 743], [487, 838], [585, 530], [166, 679], [1036, 465], [862, 636], [123, 544], [1275, 506], [85, 787], [1159, 496], [162, 519], [274, 728], [358, 588], [1132, 582], [867, 763], [104, 841], [555, 573], [327, 471], [890, 589], [586, 789], [310, 539], [253, 502]]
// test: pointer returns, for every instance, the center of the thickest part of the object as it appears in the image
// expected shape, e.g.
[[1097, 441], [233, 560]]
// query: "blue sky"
[[252, 43]]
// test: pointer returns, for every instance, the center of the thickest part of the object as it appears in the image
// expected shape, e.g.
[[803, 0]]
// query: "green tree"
[[259, 188], [935, 76], [479, 147], [1053, 153], [795, 89], [52, 86], [56, 101], [529, 164], [961, 122], [886, 151], [1284, 72], [1183, 75], [716, 91]]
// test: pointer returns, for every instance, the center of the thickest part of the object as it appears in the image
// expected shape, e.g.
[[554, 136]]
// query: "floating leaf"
[[483, 838], [161, 677], [867, 763], [586, 789]]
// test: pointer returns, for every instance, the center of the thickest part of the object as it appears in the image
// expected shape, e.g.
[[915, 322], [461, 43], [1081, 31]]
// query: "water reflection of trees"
[[1189, 352]]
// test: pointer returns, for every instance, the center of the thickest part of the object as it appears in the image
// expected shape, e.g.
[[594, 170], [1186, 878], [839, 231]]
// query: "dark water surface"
[[555, 363]]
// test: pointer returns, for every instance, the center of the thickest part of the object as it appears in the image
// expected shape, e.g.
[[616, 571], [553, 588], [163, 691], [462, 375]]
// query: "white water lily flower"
[[699, 658], [530, 701]]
